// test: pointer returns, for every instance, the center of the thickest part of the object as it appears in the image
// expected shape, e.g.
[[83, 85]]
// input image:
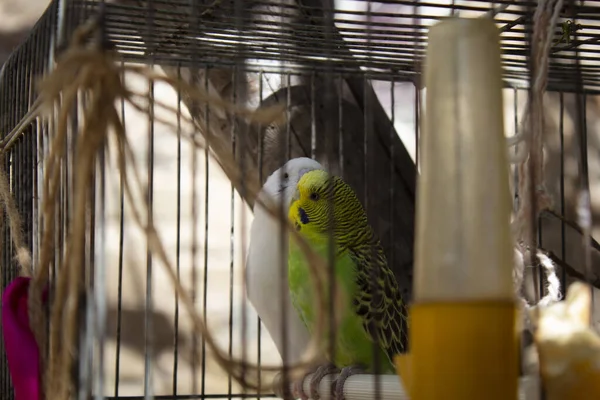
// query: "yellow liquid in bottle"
[[462, 351]]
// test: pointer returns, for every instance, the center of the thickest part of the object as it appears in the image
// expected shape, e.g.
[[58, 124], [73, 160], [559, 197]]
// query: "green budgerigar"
[[374, 312]]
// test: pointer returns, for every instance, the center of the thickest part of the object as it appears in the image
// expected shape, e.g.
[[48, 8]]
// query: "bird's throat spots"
[[303, 216]]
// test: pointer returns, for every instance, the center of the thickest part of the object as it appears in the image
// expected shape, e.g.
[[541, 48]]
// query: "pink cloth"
[[19, 343]]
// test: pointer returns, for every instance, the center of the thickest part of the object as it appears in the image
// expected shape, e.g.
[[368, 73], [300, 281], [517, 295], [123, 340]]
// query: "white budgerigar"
[[264, 270]]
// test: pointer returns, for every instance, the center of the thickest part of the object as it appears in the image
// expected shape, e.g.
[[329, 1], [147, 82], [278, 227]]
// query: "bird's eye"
[[286, 175], [314, 196]]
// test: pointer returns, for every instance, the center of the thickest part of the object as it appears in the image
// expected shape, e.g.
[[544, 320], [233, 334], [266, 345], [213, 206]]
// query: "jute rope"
[[22, 255], [95, 73], [533, 197], [532, 192]]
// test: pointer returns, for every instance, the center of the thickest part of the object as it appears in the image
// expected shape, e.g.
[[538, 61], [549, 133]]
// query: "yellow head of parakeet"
[[320, 199]]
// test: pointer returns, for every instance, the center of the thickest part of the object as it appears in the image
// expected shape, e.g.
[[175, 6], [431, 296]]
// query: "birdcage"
[[349, 74]]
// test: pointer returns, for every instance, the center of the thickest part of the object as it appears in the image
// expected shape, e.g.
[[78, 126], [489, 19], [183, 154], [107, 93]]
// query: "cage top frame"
[[385, 41]]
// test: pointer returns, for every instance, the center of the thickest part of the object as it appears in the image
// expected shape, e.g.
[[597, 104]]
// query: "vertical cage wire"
[[207, 113], [261, 180], [583, 204], [149, 305], [563, 246], [240, 130], [283, 152], [368, 174], [100, 273], [5, 383], [234, 150], [194, 20], [178, 244], [120, 262], [86, 375]]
